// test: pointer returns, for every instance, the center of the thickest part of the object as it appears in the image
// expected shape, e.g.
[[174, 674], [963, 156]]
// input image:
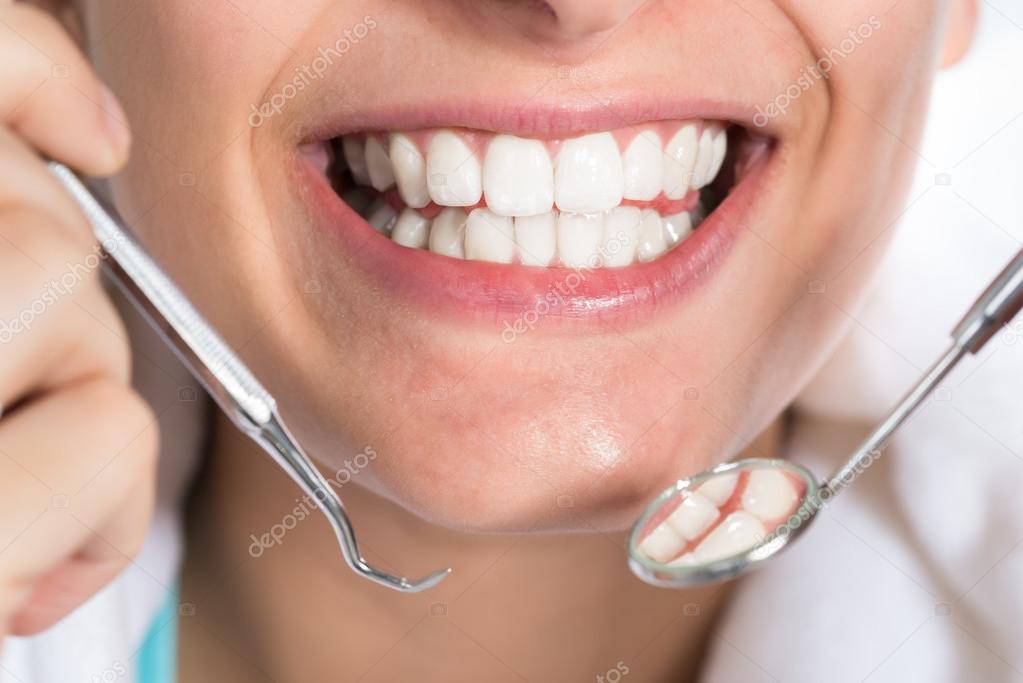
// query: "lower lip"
[[509, 294]]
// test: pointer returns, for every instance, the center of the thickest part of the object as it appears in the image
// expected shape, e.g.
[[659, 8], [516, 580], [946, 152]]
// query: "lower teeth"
[[608, 239]]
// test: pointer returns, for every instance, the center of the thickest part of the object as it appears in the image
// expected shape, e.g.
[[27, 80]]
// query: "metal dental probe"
[[242, 398]]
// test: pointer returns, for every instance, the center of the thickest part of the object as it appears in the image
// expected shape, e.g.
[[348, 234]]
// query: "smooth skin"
[[78, 446]]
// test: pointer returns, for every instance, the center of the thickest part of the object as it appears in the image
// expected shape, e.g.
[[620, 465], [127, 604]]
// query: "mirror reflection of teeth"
[[662, 544], [693, 516], [720, 488], [767, 497], [740, 532], [687, 560]]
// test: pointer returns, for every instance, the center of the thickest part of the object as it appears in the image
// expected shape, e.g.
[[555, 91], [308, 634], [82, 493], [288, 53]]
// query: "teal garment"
[[158, 657]]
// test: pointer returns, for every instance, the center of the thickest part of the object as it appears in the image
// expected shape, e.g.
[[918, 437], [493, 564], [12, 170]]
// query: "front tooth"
[[720, 488], [643, 167], [588, 176], [651, 236], [680, 160], [447, 236], [662, 544], [704, 159], [739, 533], [518, 178], [381, 175], [579, 237], [355, 156], [411, 230], [382, 217], [537, 238], [769, 495], [453, 171], [677, 228], [489, 237], [621, 230], [693, 516], [409, 171]]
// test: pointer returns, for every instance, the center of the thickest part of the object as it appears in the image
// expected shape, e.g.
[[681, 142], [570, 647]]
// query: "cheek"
[[184, 59], [188, 74]]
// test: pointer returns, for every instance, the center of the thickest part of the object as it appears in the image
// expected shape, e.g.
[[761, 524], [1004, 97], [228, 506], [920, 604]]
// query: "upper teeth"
[[453, 171], [409, 171], [643, 167], [378, 162], [588, 174], [518, 177], [565, 197]]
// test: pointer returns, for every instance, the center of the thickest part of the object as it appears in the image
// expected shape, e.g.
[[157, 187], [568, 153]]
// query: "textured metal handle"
[[196, 336]]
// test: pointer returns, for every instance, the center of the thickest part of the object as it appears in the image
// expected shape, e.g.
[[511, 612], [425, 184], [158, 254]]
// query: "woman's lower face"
[[539, 261]]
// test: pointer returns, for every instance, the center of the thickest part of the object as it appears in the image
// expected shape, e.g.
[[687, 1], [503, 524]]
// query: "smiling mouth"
[[492, 222], [600, 200]]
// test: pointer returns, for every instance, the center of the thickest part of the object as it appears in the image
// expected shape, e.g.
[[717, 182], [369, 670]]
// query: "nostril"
[[543, 7], [581, 18]]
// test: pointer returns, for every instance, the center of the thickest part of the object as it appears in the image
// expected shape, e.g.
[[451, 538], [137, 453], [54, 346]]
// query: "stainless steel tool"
[[219, 370]]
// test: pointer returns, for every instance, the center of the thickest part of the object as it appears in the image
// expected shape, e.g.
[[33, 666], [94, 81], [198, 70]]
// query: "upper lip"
[[532, 119]]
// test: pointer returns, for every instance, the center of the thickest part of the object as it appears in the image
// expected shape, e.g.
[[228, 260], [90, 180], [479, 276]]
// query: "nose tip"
[[581, 18]]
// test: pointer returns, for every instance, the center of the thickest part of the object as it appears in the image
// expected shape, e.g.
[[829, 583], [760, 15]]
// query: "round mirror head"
[[722, 522]]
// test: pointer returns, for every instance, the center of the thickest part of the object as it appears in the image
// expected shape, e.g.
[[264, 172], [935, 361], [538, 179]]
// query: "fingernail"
[[115, 121]]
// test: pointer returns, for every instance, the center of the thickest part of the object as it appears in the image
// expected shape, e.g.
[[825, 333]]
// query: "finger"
[[56, 324], [53, 98], [25, 180], [109, 550], [71, 461]]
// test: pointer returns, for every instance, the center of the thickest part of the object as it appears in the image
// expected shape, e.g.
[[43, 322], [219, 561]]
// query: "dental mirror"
[[730, 519]]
